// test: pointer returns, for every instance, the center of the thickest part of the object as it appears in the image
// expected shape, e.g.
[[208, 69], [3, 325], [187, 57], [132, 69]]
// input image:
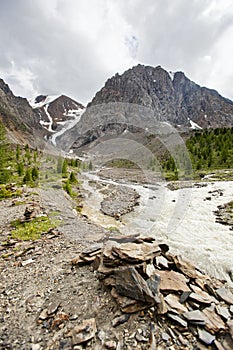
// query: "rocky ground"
[[130, 175], [119, 200], [49, 300]]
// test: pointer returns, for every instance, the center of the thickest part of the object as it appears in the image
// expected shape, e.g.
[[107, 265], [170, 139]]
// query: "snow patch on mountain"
[[48, 99], [68, 124], [171, 74], [194, 125]]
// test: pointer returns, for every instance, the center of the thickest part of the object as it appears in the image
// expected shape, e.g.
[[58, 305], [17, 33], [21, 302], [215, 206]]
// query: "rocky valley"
[[116, 219]]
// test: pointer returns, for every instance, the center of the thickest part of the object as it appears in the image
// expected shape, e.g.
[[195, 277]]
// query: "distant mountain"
[[172, 96], [55, 111], [45, 117]]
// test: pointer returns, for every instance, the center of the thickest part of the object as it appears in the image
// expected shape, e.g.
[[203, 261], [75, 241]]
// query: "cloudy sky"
[[73, 46]]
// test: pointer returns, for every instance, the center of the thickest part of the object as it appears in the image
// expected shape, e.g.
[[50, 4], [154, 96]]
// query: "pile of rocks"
[[33, 211], [120, 201], [144, 275]]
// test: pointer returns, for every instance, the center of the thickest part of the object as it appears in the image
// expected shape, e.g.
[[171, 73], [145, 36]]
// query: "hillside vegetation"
[[211, 149]]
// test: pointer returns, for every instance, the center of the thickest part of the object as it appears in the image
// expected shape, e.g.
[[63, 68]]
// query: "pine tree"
[[17, 152], [20, 168], [72, 178], [35, 173], [64, 168], [28, 176]]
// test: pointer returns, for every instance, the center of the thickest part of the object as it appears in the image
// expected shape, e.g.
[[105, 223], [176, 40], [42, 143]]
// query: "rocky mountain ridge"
[[151, 94], [172, 96]]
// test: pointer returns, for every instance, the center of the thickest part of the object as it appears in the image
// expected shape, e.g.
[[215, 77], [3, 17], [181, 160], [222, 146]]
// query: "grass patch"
[[8, 193], [113, 229], [33, 229]]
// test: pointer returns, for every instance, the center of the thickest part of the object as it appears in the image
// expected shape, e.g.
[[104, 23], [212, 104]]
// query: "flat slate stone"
[[225, 295], [130, 283], [200, 299], [172, 281], [214, 322], [134, 252], [185, 267], [205, 337], [204, 294], [52, 307], [173, 302], [195, 316], [223, 312], [177, 319]]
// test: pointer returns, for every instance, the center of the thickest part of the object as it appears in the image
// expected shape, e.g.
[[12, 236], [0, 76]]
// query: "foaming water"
[[195, 235], [183, 219]]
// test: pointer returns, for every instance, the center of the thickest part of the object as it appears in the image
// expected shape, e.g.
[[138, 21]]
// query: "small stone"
[[140, 338], [52, 308], [119, 320], [84, 332], [200, 299], [205, 337], [35, 347], [27, 262], [43, 314], [162, 262], [73, 317], [231, 309], [184, 296], [111, 345], [214, 322], [165, 336]]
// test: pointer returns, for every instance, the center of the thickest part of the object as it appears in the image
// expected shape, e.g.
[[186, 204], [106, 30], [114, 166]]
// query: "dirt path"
[[38, 276]]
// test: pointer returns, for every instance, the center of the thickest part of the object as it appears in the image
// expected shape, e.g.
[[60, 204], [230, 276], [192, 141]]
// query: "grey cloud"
[[60, 54]]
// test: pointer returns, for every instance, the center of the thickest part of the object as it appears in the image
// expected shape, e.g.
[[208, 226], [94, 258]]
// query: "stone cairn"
[[142, 274]]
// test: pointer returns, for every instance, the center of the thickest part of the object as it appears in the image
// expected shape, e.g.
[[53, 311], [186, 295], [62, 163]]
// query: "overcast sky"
[[73, 46]]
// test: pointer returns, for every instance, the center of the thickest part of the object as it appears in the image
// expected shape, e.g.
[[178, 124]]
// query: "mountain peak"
[[172, 96]]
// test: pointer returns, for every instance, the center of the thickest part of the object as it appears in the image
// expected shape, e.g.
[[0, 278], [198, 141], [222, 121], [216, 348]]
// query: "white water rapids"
[[183, 219]]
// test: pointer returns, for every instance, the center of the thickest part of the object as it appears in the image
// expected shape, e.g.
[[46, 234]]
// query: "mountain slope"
[[18, 117], [57, 114], [172, 97]]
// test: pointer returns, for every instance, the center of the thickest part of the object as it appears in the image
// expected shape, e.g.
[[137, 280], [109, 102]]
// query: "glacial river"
[[183, 219]]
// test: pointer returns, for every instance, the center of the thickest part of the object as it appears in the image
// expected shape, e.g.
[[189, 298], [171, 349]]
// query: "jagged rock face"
[[17, 115], [173, 97]]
